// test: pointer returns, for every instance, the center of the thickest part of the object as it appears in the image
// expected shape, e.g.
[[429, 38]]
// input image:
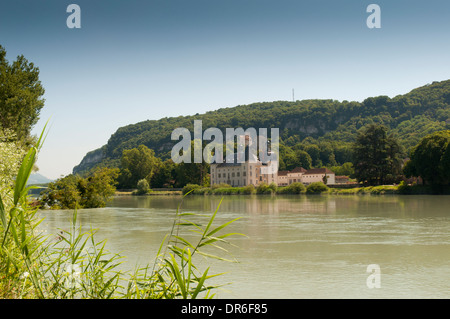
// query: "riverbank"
[[158, 192], [296, 188]]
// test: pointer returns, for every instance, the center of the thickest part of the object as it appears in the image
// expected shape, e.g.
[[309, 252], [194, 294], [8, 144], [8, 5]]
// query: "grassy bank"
[[150, 193], [316, 188], [401, 189], [223, 189]]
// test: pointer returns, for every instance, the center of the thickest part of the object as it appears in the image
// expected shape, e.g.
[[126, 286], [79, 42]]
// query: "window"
[[219, 175], [238, 174]]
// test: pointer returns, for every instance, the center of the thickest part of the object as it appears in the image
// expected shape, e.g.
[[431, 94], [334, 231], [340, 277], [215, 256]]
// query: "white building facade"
[[242, 174], [301, 175]]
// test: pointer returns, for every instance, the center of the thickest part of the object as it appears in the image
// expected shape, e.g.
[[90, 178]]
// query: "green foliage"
[[294, 188], [221, 185], [190, 187], [164, 175], [20, 95], [430, 159], [292, 157], [377, 156], [74, 191], [137, 163], [324, 129], [12, 152], [263, 188], [142, 187], [316, 188], [196, 173], [249, 189], [76, 266], [345, 169], [174, 273], [17, 221]]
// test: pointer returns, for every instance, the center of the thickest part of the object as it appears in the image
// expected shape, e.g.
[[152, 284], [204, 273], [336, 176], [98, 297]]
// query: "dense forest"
[[313, 133]]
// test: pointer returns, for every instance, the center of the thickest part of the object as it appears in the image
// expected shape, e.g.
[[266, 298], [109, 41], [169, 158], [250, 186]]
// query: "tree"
[[62, 193], [98, 186], [20, 95], [326, 154], [377, 155], [137, 163], [74, 191], [164, 175], [345, 169], [192, 173], [314, 152], [303, 159], [430, 159], [291, 158]]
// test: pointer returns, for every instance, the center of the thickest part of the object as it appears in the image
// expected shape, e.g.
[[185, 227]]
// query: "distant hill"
[[329, 123], [37, 178]]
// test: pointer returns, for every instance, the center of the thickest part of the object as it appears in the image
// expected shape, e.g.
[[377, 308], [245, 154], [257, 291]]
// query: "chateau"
[[253, 173]]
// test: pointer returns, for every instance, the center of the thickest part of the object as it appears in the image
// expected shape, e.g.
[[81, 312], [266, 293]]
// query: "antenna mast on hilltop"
[[293, 100]]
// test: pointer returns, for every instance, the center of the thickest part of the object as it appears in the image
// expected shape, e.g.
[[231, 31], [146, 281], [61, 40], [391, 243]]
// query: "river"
[[296, 246]]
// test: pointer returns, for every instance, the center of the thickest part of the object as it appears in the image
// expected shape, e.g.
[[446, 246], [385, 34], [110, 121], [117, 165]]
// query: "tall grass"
[[77, 266], [174, 274]]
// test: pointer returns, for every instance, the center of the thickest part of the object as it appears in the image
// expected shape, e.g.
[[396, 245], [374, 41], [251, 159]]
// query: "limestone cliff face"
[[318, 127], [89, 160]]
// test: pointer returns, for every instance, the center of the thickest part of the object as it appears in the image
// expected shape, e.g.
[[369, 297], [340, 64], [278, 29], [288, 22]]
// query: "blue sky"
[[137, 60]]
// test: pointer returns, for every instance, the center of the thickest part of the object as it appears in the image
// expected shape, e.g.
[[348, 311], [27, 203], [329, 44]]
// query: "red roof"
[[298, 170], [318, 171]]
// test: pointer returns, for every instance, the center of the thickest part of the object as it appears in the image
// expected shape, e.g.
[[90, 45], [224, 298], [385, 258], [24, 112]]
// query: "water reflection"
[[298, 246]]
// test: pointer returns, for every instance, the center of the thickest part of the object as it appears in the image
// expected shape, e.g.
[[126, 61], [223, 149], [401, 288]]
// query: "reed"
[[77, 266]]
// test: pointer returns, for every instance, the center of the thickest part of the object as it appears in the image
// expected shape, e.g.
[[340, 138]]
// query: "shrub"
[[294, 188], [222, 185], [226, 191], [263, 188], [273, 187], [142, 187], [249, 189], [190, 187], [316, 188]]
